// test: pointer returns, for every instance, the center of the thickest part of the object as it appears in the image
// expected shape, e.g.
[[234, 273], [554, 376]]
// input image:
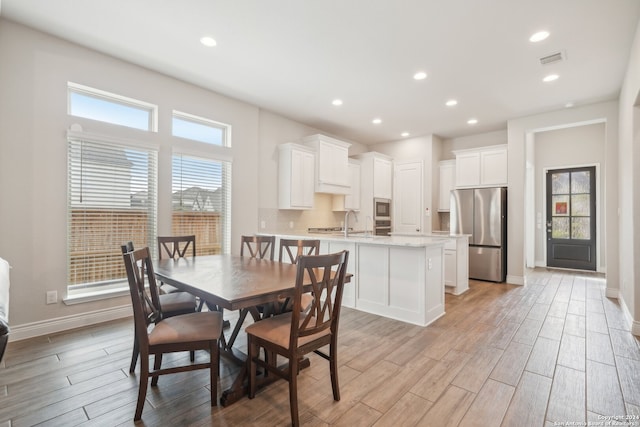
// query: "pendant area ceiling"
[[295, 57]]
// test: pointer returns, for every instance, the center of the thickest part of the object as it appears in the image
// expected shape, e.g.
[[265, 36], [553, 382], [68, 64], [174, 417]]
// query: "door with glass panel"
[[571, 218]]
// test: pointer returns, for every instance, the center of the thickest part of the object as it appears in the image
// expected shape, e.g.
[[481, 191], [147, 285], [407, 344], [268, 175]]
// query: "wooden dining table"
[[231, 283]]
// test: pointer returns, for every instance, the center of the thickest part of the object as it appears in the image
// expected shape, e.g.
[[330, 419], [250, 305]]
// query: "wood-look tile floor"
[[552, 352]]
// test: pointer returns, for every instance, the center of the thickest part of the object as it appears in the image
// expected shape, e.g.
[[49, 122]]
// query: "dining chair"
[[157, 335], [302, 247], [294, 334], [171, 304], [258, 246], [176, 247]]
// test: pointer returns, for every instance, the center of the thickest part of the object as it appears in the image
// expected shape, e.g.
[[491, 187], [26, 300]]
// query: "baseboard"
[[515, 280], [635, 325], [60, 324], [611, 293]]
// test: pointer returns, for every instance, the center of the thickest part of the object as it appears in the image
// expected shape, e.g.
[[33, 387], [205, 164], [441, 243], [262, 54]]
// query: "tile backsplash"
[[298, 221]]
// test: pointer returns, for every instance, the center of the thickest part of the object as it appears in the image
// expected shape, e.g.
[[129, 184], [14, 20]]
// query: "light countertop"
[[410, 241]]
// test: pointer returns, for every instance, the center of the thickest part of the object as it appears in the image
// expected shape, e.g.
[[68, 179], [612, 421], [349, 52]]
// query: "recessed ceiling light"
[[404, 134], [539, 36], [568, 105], [550, 78], [421, 75], [451, 103], [472, 121], [376, 121], [337, 102], [208, 41]]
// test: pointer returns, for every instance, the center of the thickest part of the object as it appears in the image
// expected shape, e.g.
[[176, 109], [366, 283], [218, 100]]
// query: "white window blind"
[[111, 200], [201, 200]]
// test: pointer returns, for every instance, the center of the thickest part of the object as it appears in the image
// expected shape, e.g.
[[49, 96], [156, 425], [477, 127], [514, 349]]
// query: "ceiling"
[[293, 57]]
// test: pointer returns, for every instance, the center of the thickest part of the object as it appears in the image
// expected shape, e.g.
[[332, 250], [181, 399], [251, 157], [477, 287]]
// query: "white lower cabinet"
[[456, 265], [404, 283], [349, 293]]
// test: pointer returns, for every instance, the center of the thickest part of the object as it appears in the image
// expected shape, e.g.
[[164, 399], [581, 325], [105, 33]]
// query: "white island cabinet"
[[393, 276]]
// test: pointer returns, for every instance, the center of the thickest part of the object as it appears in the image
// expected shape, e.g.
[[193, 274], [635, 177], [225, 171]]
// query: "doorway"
[[571, 218]]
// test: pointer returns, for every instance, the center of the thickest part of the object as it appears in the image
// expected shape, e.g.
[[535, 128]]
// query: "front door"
[[571, 218]]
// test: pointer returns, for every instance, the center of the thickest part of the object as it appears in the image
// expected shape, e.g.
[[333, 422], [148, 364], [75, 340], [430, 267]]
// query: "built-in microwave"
[[382, 209]]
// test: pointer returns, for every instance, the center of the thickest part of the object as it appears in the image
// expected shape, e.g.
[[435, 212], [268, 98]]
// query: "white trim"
[[515, 280], [634, 324], [611, 292], [115, 98], [73, 133], [599, 265], [60, 324]]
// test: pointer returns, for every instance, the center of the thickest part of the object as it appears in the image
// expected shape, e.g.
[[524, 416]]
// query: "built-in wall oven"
[[382, 217]]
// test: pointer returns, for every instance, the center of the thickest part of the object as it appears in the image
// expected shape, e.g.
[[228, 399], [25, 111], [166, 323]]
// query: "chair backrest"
[[176, 246], [146, 310], [326, 275], [258, 246], [303, 247]]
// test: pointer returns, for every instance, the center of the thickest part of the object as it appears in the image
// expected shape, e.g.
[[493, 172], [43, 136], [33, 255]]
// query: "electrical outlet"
[[430, 264], [291, 224], [52, 297], [263, 225]]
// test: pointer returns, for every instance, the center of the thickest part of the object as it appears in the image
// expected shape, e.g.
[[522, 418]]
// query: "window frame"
[[115, 99], [226, 128]]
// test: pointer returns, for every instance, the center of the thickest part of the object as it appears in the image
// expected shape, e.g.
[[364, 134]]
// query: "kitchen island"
[[400, 277]]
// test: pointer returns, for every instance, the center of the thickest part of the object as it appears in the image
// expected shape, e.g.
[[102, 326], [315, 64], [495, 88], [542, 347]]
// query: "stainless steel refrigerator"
[[482, 213]]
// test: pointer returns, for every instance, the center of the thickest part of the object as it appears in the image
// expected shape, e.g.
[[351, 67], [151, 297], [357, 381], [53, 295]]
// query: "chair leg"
[[142, 388], [293, 391], [214, 362], [253, 352], [192, 356], [134, 356], [333, 367], [157, 363]]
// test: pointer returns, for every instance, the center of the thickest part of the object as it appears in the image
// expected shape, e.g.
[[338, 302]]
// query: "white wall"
[[574, 146], [521, 133], [628, 181], [34, 72]]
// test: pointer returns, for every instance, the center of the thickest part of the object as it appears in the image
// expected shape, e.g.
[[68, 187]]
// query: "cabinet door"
[[333, 164], [450, 267], [468, 170], [447, 178], [382, 178], [493, 167], [352, 200], [302, 164]]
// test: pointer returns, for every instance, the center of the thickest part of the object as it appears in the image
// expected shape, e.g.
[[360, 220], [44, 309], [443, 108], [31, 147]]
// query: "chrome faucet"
[[346, 221]]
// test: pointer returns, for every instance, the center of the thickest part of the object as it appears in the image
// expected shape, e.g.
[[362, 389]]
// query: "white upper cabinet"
[[296, 164], [332, 164], [351, 200], [481, 167], [377, 176], [447, 183]]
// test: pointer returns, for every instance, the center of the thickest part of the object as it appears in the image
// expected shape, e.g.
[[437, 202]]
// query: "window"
[[200, 129], [111, 200], [107, 107], [201, 199]]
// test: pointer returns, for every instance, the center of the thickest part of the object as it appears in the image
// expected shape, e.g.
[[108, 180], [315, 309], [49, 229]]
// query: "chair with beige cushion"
[[171, 304], [175, 247], [258, 246], [294, 334], [158, 335], [289, 254], [302, 247], [261, 247]]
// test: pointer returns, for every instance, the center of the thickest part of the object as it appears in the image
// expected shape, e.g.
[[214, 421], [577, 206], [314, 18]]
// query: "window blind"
[[201, 202], [111, 200]]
